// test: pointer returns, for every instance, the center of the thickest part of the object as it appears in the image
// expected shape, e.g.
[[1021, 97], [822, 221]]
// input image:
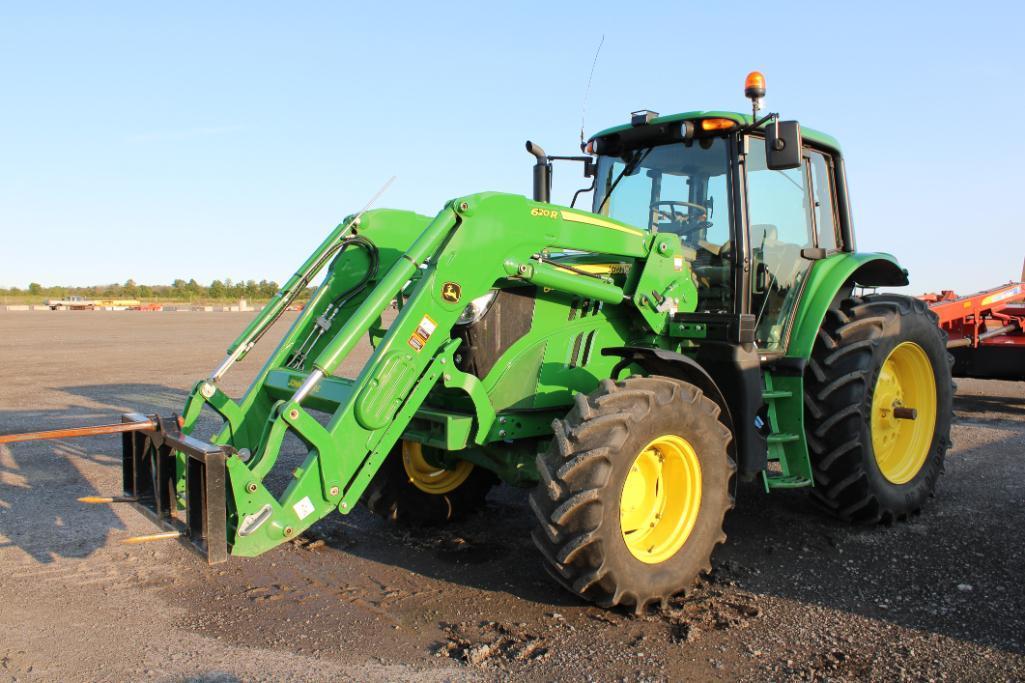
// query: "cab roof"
[[814, 136]]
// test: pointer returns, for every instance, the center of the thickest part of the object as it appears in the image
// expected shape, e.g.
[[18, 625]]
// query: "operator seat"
[[782, 260], [778, 267]]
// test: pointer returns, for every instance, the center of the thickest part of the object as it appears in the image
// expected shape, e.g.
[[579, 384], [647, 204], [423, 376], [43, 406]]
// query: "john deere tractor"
[[703, 320]]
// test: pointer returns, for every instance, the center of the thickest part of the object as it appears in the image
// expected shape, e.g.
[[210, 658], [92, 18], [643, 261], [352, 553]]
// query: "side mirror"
[[783, 147]]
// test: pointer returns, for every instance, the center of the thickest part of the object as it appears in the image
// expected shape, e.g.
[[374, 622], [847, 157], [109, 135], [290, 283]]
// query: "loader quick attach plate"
[[149, 467]]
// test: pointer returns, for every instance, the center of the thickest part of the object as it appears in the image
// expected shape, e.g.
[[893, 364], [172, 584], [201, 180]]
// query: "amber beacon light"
[[754, 89], [754, 85]]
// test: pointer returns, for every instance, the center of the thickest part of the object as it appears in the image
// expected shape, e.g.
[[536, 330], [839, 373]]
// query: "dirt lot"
[[793, 595]]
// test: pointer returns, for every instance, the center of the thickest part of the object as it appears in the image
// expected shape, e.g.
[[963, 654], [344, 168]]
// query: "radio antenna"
[[587, 92]]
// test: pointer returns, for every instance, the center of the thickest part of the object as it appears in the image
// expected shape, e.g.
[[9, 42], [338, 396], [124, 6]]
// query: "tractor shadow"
[[1001, 405], [490, 550], [953, 570], [41, 480]]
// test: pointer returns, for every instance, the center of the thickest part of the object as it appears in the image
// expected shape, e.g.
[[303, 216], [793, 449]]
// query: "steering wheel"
[[672, 215], [682, 219]]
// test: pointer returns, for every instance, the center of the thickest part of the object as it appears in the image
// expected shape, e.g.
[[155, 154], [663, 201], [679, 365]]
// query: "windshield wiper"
[[627, 170]]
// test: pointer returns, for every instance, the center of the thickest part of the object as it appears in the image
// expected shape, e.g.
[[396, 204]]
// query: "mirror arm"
[[589, 165], [756, 124], [543, 172]]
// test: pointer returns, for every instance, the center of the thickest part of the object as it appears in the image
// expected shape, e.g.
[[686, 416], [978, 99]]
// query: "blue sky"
[[161, 140]]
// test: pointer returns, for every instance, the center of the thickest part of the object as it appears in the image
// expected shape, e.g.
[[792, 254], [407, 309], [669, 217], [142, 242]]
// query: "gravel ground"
[[793, 595]]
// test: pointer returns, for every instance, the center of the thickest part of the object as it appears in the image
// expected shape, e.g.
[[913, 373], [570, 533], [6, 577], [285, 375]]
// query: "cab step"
[[782, 481], [776, 394]]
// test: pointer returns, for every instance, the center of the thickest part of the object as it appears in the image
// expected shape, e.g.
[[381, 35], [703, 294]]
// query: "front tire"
[[632, 491], [878, 402]]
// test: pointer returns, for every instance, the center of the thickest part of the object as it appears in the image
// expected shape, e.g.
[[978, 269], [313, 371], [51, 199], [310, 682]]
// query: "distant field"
[[28, 299]]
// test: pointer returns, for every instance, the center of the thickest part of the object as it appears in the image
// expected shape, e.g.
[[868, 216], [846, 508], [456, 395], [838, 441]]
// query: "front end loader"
[[702, 321]]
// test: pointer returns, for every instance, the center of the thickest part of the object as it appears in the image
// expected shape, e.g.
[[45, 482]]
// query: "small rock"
[[477, 655]]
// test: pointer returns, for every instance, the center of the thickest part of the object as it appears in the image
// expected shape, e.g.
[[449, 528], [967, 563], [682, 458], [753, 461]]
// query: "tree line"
[[179, 290]]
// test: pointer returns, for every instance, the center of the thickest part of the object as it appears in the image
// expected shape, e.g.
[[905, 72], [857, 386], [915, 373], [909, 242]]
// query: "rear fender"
[[833, 278]]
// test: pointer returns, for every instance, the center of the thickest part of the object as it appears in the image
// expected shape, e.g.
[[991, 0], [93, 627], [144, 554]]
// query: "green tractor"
[[703, 321]]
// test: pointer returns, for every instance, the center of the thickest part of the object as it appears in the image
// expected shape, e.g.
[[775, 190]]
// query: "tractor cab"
[[752, 221]]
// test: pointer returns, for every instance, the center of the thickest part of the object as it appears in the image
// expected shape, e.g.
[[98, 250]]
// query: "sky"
[[156, 141]]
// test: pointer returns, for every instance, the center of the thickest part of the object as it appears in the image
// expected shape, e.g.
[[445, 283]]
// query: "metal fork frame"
[[149, 472]]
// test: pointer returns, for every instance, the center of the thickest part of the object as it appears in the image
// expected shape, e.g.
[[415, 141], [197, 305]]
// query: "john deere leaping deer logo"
[[451, 291]]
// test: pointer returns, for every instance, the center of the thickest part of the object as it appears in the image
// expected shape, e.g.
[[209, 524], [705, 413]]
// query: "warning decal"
[[304, 508], [423, 332]]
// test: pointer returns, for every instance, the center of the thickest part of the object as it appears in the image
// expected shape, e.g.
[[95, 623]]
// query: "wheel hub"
[[431, 478], [660, 499], [903, 413]]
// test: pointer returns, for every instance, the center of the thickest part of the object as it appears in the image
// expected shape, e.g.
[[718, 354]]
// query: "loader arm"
[[475, 243]]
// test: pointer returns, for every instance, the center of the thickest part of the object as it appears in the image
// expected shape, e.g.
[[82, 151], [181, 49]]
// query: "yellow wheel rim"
[[431, 478], [901, 438], [660, 499]]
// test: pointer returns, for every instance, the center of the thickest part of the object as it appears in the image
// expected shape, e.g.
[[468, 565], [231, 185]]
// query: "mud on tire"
[[582, 475], [854, 341]]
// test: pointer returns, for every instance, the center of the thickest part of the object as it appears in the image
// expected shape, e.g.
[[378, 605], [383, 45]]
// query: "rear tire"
[[590, 504], [394, 495], [883, 475]]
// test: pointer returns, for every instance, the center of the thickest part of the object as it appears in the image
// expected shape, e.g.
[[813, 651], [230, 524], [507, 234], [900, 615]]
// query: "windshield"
[[679, 187]]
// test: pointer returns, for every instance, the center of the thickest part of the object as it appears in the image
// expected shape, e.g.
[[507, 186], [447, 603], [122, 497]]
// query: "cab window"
[[825, 209], [678, 187], [682, 188]]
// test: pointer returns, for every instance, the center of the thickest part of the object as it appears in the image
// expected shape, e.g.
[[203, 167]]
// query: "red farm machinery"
[[986, 330]]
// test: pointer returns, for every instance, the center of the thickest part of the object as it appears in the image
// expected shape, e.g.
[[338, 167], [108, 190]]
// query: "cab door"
[[783, 210]]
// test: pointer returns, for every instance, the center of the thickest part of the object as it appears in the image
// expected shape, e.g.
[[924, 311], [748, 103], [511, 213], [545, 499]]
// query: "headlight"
[[477, 308]]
